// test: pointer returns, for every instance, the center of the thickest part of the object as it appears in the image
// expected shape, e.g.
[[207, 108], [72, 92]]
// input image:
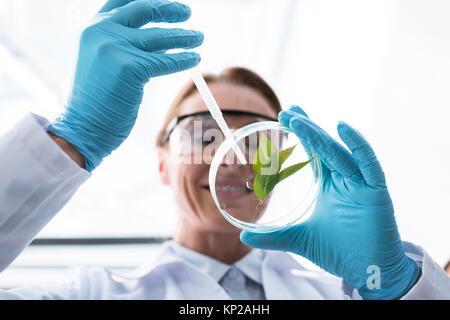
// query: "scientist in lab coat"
[[352, 234]]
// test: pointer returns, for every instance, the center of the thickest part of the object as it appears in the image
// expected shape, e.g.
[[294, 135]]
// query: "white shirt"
[[37, 180], [242, 280]]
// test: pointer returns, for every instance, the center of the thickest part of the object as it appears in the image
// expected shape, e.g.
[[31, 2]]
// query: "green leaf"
[[267, 167], [286, 153], [292, 169], [264, 184], [264, 153]]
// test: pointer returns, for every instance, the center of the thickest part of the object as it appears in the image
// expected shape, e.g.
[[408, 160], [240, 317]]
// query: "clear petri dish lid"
[[276, 187]]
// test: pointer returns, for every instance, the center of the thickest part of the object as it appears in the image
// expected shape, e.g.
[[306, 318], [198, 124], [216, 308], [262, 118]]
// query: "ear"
[[163, 165]]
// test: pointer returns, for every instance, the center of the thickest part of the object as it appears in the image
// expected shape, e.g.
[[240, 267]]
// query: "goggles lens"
[[199, 135]]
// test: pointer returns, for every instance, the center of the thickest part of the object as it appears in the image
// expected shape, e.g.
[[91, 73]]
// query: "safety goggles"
[[198, 133], [235, 119]]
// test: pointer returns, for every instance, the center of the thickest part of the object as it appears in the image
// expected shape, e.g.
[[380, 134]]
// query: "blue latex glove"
[[353, 225], [115, 60]]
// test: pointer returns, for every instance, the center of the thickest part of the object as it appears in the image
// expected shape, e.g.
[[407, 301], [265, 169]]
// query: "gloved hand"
[[353, 225], [115, 60]]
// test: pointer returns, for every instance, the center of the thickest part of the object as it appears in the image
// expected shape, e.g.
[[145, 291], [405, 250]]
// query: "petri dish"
[[277, 186]]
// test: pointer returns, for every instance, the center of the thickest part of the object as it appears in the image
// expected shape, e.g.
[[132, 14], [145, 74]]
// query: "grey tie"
[[241, 287]]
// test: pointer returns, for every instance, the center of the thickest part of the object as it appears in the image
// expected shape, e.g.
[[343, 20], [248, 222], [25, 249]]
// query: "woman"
[[351, 232], [244, 98]]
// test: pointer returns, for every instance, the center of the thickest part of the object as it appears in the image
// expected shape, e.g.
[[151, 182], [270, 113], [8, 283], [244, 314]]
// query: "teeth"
[[231, 189]]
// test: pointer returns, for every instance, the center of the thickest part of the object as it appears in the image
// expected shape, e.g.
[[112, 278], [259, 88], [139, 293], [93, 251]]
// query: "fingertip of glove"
[[298, 110], [243, 235], [286, 116], [345, 129], [296, 120], [177, 11], [200, 37], [283, 116], [246, 237], [192, 57], [185, 9], [342, 124], [197, 58]]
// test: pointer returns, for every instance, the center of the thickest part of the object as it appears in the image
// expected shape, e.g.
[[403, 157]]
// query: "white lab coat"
[[37, 179]]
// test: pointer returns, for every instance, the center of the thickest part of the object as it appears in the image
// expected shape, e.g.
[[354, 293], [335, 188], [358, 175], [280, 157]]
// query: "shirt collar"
[[250, 264]]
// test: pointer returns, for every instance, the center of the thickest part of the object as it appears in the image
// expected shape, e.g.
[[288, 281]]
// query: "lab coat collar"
[[163, 257], [157, 273], [207, 265], [250, 264], [282, 277], [171, 252]]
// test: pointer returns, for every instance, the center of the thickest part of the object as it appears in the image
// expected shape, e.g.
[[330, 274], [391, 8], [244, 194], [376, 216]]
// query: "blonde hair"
[[234, 75]]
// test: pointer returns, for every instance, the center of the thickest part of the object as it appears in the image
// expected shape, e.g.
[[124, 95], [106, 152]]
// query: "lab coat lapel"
[[275, 271], [285, 279], [169, 277], [178, 280]]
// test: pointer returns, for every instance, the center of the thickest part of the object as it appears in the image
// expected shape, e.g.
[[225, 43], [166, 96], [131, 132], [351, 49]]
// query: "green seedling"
[[267, 167]]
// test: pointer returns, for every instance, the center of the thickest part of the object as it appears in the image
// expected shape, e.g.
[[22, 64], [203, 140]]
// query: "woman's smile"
[[232, 189]]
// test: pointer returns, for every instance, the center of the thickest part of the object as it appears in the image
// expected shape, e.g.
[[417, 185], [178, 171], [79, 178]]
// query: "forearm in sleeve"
[[37, 178]]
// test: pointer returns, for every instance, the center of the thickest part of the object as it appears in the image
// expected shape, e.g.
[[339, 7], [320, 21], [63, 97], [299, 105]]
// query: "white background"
[[382, 66]]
